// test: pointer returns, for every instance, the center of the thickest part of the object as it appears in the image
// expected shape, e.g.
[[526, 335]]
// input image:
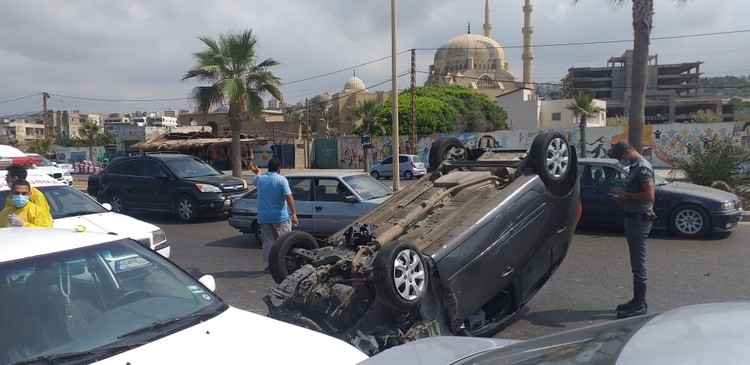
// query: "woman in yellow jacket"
[[24, 213]]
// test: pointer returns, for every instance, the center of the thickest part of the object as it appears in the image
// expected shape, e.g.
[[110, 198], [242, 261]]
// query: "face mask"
[[20, 200]]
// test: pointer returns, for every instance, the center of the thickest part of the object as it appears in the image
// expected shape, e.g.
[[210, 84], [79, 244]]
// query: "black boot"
[[636, 307], [629, 304]]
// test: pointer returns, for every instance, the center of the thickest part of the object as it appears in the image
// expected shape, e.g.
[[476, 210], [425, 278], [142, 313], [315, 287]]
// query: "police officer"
[[638, 202]]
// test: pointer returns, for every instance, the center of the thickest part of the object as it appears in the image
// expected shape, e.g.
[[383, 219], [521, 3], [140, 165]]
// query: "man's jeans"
[[636, 232]]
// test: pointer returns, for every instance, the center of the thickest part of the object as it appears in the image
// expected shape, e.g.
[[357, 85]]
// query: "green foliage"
[[719, 160], [445, 109], [726, 86], [706, 116], [40, 146], [368, 118], [583, 107], [14, 143], [617, 122]]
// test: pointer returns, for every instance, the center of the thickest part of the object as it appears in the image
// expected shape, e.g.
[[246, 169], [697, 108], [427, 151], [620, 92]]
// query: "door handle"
[[318, 208], [561, 229], [508, 270]]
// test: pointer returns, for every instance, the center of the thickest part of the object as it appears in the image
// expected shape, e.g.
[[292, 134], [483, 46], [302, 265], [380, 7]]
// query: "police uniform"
[[637, 221]]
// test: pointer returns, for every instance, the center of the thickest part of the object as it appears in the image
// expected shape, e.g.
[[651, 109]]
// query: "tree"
[[231, 67], [42, 146], [643, 19], [367, 118], [617, 122], [90, 133], [706, 116], [583, 107]]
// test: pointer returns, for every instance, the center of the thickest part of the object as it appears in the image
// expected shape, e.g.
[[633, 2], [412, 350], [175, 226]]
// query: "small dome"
[[354, 83]]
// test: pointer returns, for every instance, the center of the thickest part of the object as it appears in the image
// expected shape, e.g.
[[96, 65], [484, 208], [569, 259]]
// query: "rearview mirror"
[[107, 206]]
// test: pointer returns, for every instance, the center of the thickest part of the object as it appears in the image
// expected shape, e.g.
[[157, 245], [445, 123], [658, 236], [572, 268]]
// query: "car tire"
[[554, 160], [408, 175], [400, 276], [689, 221], [186, 209], [280, 261], [115, 200], [447, 149], [375, 174], [257, 234]]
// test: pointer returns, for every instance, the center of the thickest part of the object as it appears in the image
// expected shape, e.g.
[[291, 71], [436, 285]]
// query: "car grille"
[[56, 175], [234, 189]]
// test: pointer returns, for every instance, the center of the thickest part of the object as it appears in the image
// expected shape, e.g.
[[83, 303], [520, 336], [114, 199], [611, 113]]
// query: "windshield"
[[113, 295], [65, 201], [367, 187], [45, 162], [190, 167], [595, 345]]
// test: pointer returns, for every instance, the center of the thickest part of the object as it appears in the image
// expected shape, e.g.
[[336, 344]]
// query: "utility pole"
[[394, 97], [45, 119], [413, 136], [307, 135]]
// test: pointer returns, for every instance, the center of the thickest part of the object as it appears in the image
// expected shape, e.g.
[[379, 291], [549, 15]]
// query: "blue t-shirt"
[[272, 188]]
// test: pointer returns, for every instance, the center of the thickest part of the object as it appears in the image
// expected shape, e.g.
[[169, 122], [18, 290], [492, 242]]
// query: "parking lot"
[[592, 280]]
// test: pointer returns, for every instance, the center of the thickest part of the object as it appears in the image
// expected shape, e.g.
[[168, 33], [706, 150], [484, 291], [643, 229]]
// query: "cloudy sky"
[[101, 55]]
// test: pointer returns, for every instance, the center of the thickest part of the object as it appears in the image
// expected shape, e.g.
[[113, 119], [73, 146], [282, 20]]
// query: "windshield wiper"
[[160, 325], [78, 212], [76, 357]]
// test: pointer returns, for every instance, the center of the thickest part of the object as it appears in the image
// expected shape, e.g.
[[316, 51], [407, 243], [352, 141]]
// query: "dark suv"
[[169, 182]]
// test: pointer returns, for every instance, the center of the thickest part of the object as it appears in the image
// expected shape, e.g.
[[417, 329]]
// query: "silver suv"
[[409, 166]]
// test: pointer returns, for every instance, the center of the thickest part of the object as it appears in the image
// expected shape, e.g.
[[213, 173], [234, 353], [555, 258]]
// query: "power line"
[[118, 100], [341, 70], [17, 99]]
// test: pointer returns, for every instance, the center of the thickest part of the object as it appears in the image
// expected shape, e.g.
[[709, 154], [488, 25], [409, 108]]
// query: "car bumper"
[[725, 221], [216, 204]]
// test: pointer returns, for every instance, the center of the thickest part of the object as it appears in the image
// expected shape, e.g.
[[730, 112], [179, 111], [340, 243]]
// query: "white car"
[[83, 297], [71, 208], [52, 170]]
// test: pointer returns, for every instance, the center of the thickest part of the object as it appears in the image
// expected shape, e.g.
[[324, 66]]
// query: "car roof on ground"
[[19, 243], [603, 161]]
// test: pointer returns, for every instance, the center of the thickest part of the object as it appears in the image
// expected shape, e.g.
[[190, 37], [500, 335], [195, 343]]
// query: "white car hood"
[[239, 337], [108, 222]]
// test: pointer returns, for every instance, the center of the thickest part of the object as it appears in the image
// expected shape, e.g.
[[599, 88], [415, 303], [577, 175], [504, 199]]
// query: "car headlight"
[[728, 206], [158, 236], [208, 188]]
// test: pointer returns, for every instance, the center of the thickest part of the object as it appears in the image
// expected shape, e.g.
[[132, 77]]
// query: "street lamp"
[[394, 98]]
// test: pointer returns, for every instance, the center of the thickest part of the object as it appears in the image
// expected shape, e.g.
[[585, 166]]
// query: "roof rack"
[[154, 153]]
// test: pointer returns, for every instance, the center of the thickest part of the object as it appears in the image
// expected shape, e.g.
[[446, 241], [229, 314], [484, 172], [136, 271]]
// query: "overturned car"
[[456, 253]]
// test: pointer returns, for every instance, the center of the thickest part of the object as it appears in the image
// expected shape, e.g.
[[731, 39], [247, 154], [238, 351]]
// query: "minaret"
[[527, 57], [487, 27]]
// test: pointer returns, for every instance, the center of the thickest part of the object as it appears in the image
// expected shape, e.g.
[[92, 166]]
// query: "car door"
[[158, 186], [404, 164], [331, 211], [386, 167], [603, 208], [301, 191], [125, 179]]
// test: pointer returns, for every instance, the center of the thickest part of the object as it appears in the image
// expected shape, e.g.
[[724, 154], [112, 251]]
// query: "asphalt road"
[[592, 280]]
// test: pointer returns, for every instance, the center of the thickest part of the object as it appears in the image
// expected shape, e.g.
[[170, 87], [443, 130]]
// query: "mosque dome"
[[484, 51], [354, 84]]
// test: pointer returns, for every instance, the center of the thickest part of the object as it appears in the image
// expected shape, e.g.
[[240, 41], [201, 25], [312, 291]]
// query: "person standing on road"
[[16, 173], [22, 212], [638, 202], [276, 211]]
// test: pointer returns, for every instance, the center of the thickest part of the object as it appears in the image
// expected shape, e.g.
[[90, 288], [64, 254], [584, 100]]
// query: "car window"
[[45, 162], [329, 190], [190, 167], [367, 187], [154, 168], [300, 188], [387, 161], [416, 158], [131, 168], [65, 201], [403, 159], [81, 299]]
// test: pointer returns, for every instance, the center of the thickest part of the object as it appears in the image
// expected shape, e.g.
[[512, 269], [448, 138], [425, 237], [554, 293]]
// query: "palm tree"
[[643, 19], [90, 133], [230, 65], [42, 146], [583, 107], [367, 119]]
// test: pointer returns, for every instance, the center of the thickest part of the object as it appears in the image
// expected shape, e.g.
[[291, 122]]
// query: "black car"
[[459, 252], [687, 210], [169, 182]]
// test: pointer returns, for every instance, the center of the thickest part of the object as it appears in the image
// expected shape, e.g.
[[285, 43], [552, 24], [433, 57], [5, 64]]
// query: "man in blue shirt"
[[275, 204]]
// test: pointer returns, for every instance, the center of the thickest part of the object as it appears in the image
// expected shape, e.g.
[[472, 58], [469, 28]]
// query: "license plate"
[[129, 264]]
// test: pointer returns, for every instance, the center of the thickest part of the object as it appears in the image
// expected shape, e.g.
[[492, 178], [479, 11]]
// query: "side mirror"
[[107, 206], [351, 199], [208, 281], [54, 163]]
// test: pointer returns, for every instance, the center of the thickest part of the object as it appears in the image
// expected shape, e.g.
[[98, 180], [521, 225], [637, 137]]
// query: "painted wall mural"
[[662, 142]]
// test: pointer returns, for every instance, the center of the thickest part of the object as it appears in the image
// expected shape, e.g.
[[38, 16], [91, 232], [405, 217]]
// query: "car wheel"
[[187, 211], [689, 221], [408, 175], [554, 160], [257, 233], [447, 149], [400, 274], [375, 174], [115, 200], [281, 260]]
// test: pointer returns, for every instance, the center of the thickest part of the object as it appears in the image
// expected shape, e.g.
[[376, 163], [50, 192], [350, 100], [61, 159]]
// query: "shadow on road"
[[233, 274], [557, 318], [240, 241]]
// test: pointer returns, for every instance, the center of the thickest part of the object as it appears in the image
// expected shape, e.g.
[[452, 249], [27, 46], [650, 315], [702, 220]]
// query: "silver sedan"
[[326, 201]]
